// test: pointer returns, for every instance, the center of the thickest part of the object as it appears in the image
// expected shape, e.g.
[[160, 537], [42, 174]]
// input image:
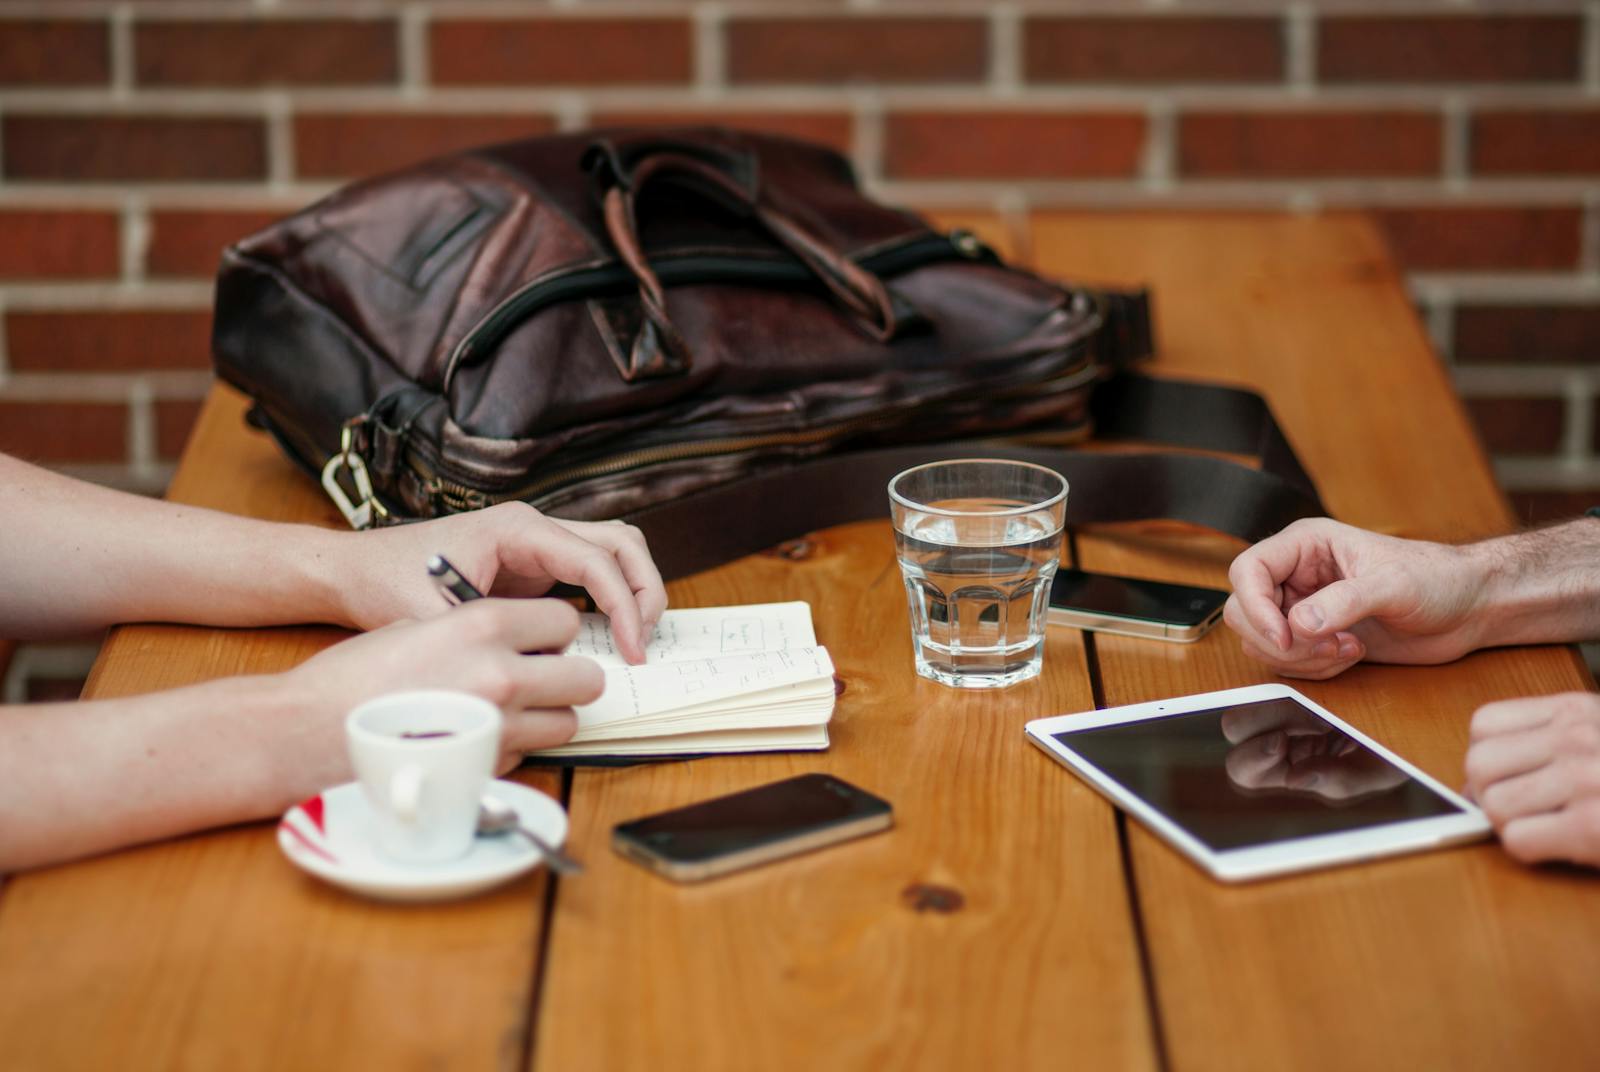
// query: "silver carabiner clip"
[[368, 510]]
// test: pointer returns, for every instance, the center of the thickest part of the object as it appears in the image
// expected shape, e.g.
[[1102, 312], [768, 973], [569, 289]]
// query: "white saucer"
[[327, 837]]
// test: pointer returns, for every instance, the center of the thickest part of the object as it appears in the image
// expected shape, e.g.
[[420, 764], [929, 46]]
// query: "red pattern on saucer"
[[314, 811]]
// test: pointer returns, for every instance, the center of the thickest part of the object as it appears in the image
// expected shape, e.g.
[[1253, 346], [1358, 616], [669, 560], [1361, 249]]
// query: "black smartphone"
[[754, 827], [1134, 607]]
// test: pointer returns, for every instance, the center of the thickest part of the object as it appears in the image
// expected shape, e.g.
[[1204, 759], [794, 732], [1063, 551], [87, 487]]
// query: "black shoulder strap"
[[759, 511]]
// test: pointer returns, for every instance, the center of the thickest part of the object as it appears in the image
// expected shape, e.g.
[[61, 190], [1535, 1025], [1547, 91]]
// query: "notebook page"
[[654, 689], [785, 739], [704, 632]]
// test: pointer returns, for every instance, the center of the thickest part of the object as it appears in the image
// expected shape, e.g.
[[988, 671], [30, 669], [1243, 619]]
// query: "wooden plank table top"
[[1012, 919]]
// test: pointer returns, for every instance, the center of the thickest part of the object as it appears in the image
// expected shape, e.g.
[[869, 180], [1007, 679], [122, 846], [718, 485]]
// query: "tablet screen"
[[1256, 773]]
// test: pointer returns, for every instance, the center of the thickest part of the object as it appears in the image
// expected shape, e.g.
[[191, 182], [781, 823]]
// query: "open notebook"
[[717, 679]]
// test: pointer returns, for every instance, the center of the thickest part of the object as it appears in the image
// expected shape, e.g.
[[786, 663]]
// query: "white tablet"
[[1258, 781]]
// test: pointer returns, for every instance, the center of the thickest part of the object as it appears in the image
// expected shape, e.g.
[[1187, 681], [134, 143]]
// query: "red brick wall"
[[137, 138]]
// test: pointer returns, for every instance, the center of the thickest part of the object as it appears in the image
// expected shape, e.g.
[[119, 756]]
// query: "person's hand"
[[1281, 746], [505, 550], [1321, 596], [1534, 768], [477, 648]]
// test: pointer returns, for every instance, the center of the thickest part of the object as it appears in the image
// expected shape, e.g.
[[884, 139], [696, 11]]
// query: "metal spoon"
[[496, 817]]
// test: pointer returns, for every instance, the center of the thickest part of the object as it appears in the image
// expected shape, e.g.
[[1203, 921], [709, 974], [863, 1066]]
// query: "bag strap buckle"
[[365, 511]]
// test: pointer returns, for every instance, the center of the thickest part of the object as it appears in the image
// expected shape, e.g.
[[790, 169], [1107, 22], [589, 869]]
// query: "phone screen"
[[1131, 597], [754, 818]]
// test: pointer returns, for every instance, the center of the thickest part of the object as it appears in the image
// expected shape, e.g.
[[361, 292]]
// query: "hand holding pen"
[[455, 588]]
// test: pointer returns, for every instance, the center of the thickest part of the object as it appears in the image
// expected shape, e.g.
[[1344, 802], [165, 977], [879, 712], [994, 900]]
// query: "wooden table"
[[1056, 934]]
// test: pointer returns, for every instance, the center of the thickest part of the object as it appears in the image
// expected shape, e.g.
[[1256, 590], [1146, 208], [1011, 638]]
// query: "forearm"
[[80, 779], [1540, 587], [75, 558]]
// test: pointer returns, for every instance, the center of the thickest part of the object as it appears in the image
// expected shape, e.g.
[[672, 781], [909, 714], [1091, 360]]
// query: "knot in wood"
[[926, 897], [797, 550]]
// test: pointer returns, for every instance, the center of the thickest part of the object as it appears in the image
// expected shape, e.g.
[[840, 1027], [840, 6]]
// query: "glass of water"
[[978, 542]]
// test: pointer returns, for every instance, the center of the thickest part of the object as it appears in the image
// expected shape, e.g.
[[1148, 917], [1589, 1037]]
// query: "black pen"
[[455, 588]]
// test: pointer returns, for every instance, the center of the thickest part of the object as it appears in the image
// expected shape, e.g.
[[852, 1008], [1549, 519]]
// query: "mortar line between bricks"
[[178, 296], [1159, 166], [357, 9], [134, 238], [251, 196], [1300, 48], [1226, 193], [5, 361], [1005, 50], [1551, 473], [1441, 324], [1589, 247], [1578, 431], [1456, 147], [710, 50], [413, 43], [120, 43], [103, 386], [280, 141], [867, 137], [141, 428], [1517, 381], [572, 112], [1591, 51], [1510, 288], [975, 96]]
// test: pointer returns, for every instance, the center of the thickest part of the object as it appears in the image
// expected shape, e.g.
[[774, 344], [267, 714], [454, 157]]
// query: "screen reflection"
[[1256, 773]]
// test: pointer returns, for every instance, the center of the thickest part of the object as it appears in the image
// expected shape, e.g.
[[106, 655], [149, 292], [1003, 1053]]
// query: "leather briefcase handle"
[[660, 349]]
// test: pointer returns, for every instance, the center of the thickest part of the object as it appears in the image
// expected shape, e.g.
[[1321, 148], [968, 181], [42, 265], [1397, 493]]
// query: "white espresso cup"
[[424, 759]]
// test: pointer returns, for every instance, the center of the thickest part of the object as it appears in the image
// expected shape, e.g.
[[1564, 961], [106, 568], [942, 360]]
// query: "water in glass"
[[978, 588]]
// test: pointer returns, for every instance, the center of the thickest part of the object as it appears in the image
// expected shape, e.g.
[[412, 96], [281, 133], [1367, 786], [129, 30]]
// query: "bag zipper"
[[457, 497], [591, 282]]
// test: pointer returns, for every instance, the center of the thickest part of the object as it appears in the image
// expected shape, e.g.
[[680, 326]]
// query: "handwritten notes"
[[704, 632], [716, 679]]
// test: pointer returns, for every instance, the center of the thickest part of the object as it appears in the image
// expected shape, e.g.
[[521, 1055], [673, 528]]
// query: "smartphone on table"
[[753, 827], [1132, 606]]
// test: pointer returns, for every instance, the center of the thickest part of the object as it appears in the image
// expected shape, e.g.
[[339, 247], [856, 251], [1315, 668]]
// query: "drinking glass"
[[978, 541]]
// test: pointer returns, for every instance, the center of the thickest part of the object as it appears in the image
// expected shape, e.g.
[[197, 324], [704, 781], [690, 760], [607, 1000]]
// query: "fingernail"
[[1273, 744], [1325, 649], [1349, 649], [1310, 616]]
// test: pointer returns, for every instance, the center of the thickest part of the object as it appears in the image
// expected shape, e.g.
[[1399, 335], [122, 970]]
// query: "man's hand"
[[1282, 746], [1534, 768], [1320, 596], [505, 550]]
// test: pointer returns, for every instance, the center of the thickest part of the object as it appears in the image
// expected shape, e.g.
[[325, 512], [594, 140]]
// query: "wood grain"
[[826, 961], [1457, 959], [211, 951]]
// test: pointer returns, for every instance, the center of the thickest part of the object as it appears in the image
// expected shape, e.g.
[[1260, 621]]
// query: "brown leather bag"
[[614, 323]]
